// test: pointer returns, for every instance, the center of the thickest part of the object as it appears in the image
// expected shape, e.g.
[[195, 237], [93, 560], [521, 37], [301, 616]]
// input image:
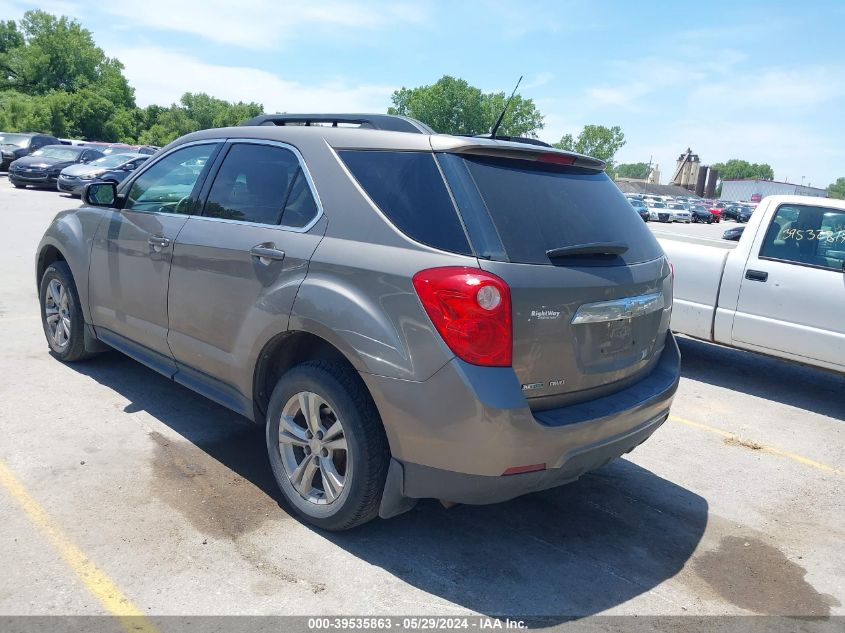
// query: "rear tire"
[[330, 487], [61, 314]]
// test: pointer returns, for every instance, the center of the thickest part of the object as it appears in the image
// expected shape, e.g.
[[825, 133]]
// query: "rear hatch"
[[590, 287]]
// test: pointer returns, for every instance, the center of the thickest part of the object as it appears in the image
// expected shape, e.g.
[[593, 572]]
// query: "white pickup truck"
[[779, 291]]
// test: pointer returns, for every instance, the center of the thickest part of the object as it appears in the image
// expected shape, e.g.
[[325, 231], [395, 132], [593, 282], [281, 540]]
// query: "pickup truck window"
[[806, 235]]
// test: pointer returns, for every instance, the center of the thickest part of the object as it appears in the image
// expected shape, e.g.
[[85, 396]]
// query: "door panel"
[[222, 297], [133, 248], [236, 271], [792, 295]]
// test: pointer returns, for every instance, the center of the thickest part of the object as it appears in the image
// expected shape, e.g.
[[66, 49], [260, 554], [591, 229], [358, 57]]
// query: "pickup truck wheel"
[[327, 445], [61, 314]]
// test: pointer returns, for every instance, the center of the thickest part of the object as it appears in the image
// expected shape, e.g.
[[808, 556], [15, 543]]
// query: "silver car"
[[112, 168], [409, 315]]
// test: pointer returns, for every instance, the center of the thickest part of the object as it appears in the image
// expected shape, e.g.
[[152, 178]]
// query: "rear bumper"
[[454, 435]]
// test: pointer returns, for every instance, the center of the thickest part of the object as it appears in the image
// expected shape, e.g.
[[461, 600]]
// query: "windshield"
[[700, 209], [657, 205], [677, 207], [19, 140], [113, 160], [639, 204], [536, 208], [58, 152]]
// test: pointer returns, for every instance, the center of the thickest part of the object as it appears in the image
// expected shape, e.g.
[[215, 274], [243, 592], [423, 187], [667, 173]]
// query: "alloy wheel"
[[57, 313], [312, 445]]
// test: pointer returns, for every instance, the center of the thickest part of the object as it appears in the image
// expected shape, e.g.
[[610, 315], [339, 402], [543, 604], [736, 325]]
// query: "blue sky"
[[762, 81]]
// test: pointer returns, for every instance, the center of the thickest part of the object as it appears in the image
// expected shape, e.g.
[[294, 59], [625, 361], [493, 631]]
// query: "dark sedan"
[[42, 168], [733, 234], [737, 213], [701, 214], [112, 168], [14, 145]]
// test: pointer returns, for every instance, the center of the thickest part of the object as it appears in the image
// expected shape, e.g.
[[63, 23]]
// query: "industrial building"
[[752, 190]]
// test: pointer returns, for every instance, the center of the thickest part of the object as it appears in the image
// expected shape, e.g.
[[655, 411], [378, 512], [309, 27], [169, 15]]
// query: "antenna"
[[495, 128]]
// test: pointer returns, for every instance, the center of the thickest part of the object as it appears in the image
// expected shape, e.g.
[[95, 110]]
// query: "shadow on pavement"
[[573, 551], [788, 383]]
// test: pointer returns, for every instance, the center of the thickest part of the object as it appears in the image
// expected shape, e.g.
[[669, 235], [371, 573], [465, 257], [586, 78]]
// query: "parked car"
[[777, 291], [716, 213], [17, 145], [658, 212], [738, 213], [734, 233], [397, 342], [42, 167], [112, 168], [701, 214], [680, 212], [640, 207]]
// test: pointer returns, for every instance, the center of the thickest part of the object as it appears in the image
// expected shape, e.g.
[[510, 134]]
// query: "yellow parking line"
[[112, 599], [763, 447]]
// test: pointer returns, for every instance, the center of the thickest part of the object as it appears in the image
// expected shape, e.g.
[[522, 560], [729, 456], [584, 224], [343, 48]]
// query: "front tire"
[[61, 314], [326, 445], [18, 185]]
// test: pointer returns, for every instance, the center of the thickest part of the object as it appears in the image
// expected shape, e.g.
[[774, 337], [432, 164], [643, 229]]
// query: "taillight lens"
[[471, 310]]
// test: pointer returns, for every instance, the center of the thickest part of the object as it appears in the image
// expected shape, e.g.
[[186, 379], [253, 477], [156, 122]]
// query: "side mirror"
[[100, 194]]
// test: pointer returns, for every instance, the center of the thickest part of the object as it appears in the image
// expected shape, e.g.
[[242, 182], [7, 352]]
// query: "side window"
[[807, 235], [168, 185], [300, 208], [253, 184], [410, 191]]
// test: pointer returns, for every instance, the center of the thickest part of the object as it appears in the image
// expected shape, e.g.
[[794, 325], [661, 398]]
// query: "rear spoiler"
[[388, 122], [513, 149]]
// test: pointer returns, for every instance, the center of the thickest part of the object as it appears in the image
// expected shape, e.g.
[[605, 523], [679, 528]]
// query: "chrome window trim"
[[308, 179], [618, 309], [124, 186]]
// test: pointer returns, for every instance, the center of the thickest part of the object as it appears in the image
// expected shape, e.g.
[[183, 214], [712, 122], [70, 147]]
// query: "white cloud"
[[162, 76], [265, 24]]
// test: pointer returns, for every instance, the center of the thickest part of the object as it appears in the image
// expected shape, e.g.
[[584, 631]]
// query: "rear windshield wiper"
[[599, 249]]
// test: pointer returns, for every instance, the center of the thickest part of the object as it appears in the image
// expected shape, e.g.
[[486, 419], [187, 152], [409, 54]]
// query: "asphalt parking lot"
[[117, 482]]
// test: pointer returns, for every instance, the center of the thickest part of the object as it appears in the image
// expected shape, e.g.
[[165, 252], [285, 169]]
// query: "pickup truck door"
[[792, 295], [237, 267], [132, 254]]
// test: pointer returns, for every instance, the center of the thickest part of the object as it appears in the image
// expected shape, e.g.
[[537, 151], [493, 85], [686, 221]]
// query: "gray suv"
[[410, 315]]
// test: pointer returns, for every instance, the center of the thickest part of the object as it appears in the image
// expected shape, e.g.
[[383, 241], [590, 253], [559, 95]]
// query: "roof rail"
[[391, 122]]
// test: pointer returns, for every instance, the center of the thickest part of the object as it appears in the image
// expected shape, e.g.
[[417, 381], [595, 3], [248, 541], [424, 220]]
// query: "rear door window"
[[538, 207], [262, 184], [411, 192]]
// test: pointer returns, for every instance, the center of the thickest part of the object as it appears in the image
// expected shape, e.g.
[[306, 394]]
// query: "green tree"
[[56, 79], [597, 141], [633, 170], [837, 189], [453, 106], [737, 169], [193, 112]]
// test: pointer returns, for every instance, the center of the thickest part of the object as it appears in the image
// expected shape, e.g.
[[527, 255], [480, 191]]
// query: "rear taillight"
[[471, 310]]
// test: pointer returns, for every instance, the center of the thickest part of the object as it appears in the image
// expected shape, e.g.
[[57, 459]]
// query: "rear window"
[[537, 208], [410, 191]]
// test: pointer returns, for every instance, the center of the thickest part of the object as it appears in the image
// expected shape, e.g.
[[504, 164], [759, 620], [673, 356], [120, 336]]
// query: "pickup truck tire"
[[61, 314], [344, 485]]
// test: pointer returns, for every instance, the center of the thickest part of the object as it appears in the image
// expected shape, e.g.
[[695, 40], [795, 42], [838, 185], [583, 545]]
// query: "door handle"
[[756, 275], [158, 243], [267, 253]]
